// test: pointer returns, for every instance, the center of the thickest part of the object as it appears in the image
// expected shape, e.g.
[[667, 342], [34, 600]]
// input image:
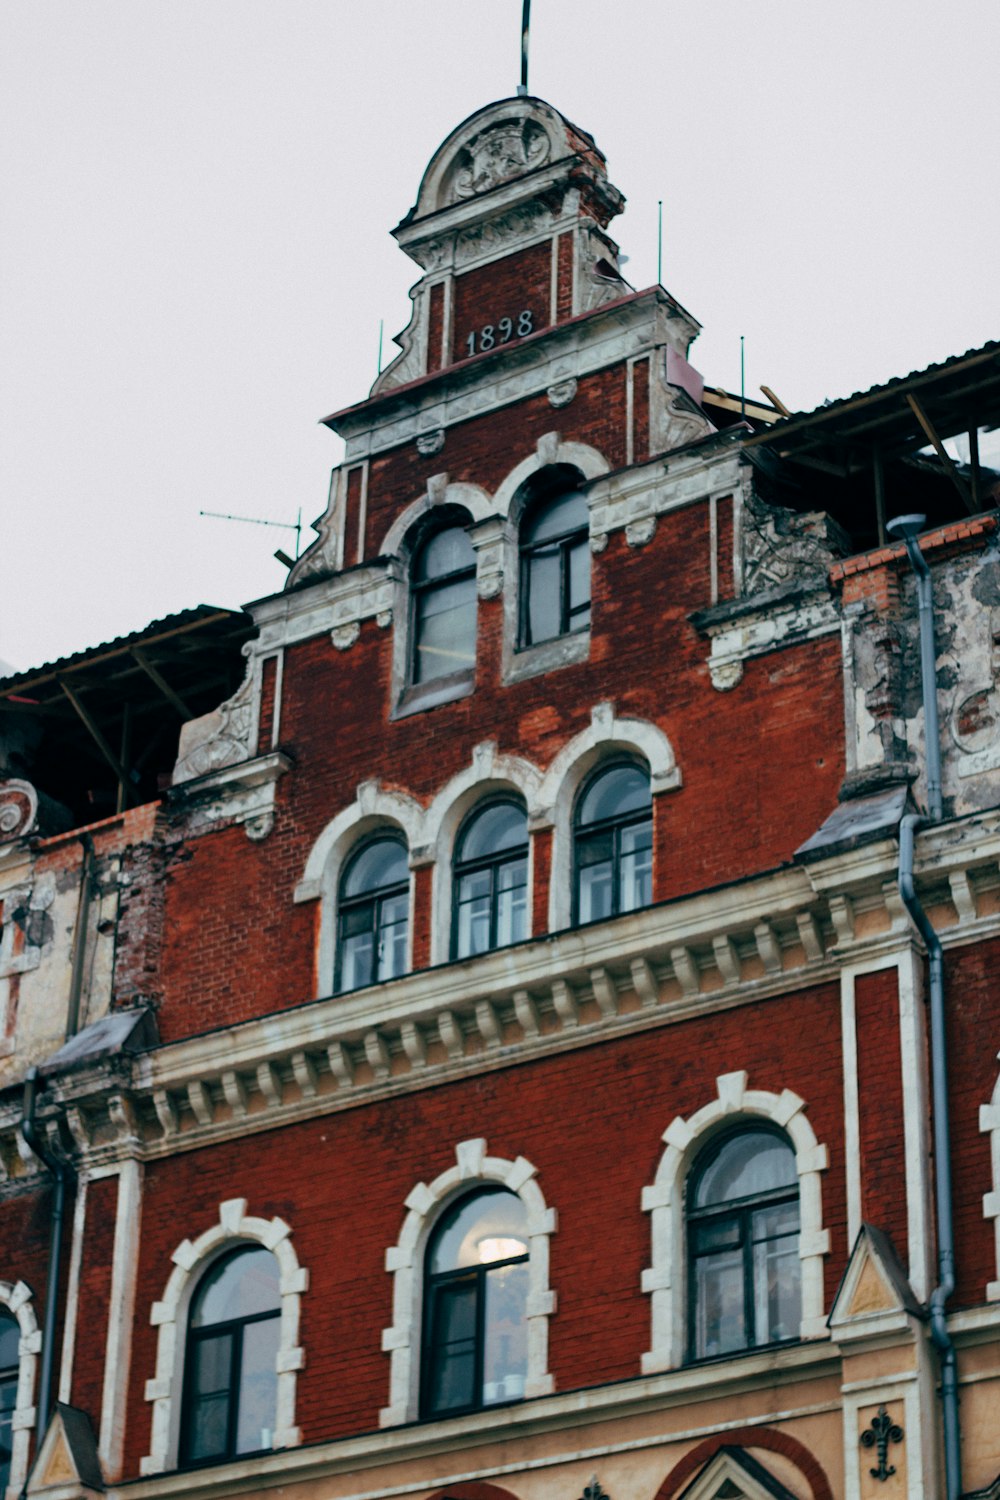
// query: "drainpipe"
[[907, 527], [62, 1172]]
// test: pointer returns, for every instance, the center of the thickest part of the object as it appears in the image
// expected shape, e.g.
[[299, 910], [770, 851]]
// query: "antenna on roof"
[[659, 241], [280, 554], [743, 381], [522, 87], [381, 326]]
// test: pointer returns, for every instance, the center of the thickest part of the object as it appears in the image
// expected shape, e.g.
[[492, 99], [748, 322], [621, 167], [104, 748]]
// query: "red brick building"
[[502, 1062]]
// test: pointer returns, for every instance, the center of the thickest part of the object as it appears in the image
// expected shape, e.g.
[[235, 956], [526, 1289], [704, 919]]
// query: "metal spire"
[[522, 87]]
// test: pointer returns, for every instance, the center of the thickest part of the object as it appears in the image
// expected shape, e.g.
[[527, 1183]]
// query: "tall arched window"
[[10, 1340], [373, 915], [744, 1278], [491, 880], [475, 1305], [555, 559], [230, 1380], [444, 606], [613, 843]]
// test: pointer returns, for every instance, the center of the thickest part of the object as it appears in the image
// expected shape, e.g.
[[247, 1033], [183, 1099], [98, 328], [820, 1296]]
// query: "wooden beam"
[[109, 755], [174, 699], [974, 464], [942, 453]]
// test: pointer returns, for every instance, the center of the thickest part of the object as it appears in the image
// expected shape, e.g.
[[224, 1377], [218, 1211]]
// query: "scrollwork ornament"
[[638, 533], [563, 392], [18, 809], [594, 1490], [429, 443], [598, 542], [880, 1432], [344, 636], [726, 675]]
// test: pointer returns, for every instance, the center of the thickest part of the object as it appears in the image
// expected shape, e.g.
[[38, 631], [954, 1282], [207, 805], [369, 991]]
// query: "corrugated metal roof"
[[168, 625]]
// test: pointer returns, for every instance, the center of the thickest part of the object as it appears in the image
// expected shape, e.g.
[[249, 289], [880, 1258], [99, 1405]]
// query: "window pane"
[[473, 913], [448, 552], [208, 1397], [394, 914], [578, 565], [501, 825], [564, 514], [446, 630], [505, 1354], [237, 1287], [357, 961], [595, 891], [379, 864], [636, 872], [777, 1289], [512, 902], [258, 1393], [452, 1353], [720, 1321], [749, 1164], [8, 1399], [618, 790], [10, 1339], [542, 583], [478, 1230]]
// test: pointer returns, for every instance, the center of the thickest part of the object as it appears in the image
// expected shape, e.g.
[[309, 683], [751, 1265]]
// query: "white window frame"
[[665, 1280], [989, 1124], [405, 1262], [17, 1300], [170, 1317], [372, 810]]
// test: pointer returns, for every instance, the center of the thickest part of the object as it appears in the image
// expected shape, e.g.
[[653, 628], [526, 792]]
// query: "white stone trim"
[[489, 774], [606, 737], [17, 1299], [468, 497], [404, 1261], [169, 1316], [373, 808], [549, 449], [73, 1290], [989, 1124], [121, 1314], [666, 1278]]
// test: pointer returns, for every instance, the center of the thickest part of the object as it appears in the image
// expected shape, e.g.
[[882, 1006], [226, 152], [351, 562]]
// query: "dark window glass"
[[614, 843], [491, 880], [230, 1381], [475, 1305], [373, 915], [555, 564], [743, 1245], [10, 1339], [444, 606]]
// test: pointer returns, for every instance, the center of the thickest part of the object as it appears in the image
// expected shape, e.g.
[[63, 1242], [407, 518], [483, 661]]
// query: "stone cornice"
[[781, 932]]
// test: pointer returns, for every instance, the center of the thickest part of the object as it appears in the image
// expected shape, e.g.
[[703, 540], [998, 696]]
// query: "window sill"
[[424, 695], [547, 656]]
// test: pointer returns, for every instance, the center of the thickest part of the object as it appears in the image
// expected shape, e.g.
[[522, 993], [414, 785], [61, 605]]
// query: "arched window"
[[230, 1380], [373, 915], [555, 559], [613, 843], [10, 1340], [744, 1278], [491, 880], [475, 1305], [444, 606]]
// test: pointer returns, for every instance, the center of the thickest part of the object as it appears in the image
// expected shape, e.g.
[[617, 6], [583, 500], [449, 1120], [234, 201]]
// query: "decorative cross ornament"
[[878, 1435]]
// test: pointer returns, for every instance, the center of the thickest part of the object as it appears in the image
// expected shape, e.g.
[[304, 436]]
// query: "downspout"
[[908, 527], [63, 1174]]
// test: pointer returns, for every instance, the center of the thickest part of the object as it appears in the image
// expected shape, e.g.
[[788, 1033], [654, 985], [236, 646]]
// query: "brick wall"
[[880, 1106], [505, 288]]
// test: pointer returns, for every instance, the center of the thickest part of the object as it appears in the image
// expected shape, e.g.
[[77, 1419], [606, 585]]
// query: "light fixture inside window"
[[493, 1247]]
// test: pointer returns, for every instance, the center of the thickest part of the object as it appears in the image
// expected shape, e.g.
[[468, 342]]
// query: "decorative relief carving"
[[383, 619], [638, 533], [562, 393], [782, 546], [598, 542], [429, 443], [498, 234], [18, 809], [500, 152], [258, 827], [344, 636], [489, 585], [221, 738], [726, 674], [430, 254]]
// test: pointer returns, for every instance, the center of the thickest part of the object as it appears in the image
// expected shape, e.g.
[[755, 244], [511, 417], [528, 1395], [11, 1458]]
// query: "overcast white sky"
[[196, 197]]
